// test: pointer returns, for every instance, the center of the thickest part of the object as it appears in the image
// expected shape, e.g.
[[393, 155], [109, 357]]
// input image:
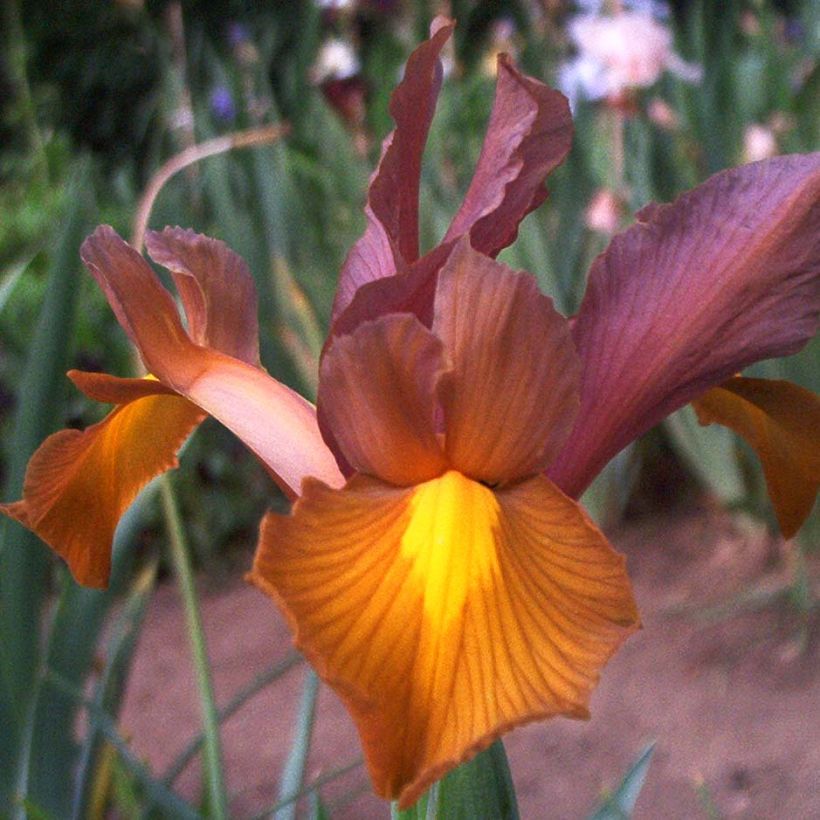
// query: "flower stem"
[[212, 764]]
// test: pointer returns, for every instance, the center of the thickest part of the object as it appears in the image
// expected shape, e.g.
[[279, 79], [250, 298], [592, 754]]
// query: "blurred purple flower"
[[237, 33], [222, 104]]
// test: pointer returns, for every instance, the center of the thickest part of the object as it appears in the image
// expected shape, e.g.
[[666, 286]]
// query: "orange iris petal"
[[78, 484], [446, 614], [780, 421]]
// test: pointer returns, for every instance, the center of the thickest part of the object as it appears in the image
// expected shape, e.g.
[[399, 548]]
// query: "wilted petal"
[[378, 397], [392, 235], [512, 396], [445, 615], [529, 134], [78, 484], [781, 421], [272, 420], [216, 288], [723, 277]]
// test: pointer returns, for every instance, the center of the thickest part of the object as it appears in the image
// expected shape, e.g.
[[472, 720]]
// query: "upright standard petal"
[[391, 238], [143, 307], [781, 421], [512, 394], [377, 392], [723, 277], [529, 134], [216, 288], [78, 484], [446, 614]]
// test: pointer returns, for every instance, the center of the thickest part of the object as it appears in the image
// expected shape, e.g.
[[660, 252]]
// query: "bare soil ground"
[[729, 691]]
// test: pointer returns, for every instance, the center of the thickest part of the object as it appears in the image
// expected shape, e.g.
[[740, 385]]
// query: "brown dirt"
[[730, 697]]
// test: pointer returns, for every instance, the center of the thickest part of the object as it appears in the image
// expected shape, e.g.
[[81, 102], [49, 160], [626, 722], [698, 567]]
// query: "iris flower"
[[436, 566]]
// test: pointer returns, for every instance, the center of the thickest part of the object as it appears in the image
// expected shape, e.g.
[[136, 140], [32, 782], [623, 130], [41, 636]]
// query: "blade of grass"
[[73, 639], [621, 803], [168, 802], [294, 771], [24, 560], [92, 780], [11, 279], [180, 555], [261, 681], [321, 780]]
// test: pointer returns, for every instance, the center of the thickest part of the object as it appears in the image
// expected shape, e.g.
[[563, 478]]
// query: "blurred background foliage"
[[95, 98]]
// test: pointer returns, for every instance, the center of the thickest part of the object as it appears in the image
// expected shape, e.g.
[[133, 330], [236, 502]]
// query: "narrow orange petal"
[[781, 422], [116, 390], [378, 395], [512, 397], [78, 484], [446, 614]]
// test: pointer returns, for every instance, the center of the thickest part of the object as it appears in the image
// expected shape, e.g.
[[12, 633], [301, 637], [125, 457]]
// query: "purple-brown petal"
[[391, 238], [529, 134], [723, 277]]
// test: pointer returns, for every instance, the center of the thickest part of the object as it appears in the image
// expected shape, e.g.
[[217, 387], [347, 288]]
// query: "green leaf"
[[110, 689], [24, 561], [10, 280], [74, 635], [621, 803], [481, 789]]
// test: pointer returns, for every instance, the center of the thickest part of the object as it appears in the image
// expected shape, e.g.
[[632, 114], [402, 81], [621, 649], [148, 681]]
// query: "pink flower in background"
[[620, 52]]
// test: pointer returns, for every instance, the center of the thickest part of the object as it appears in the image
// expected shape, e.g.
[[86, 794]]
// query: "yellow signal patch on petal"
[[78, 484], [445, 614], [780, 420], [450, 541]]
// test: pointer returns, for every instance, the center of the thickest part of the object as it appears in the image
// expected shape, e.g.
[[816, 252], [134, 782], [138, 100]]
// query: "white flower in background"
[[336, 61], [759, 142], [655, 8], [335, 5], [620, 52]]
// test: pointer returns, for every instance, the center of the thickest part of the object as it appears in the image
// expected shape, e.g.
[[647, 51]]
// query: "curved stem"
[[218, 145]]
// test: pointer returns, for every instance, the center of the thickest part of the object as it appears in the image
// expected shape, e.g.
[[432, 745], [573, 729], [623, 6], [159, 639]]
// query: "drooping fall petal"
[[78, 484], [512, 395], [446, 614], [529, 134], [275, 422], [216, 288], [723, 277], [781, 421], [391, 238], [378, 396]]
